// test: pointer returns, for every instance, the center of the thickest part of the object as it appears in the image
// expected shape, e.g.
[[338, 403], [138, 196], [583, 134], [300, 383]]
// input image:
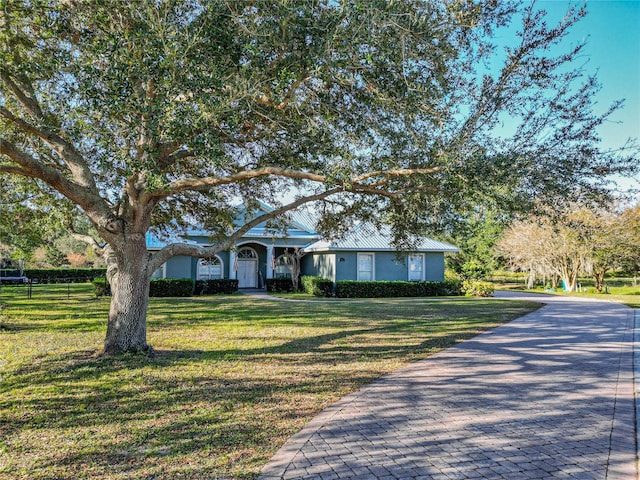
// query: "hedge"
[[171, 287], [212, 287], [101, 287], [175, 287], [64, 275], [318, 286], [279, 285], [382, 289], [477, 288]]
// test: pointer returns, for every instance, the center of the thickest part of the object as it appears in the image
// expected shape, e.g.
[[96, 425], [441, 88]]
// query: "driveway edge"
[[636, 384]]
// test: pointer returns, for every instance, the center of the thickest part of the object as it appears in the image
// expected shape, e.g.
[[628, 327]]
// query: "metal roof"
[[366, 236]]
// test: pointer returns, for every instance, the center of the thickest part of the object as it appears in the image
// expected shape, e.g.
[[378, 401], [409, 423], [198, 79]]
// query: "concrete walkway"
[[549, 395]]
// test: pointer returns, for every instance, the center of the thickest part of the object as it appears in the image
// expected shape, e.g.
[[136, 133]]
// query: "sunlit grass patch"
[[231, 377]]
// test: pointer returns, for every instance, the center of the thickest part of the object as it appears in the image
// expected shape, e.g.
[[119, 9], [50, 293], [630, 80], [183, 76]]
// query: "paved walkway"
[[549, 395]]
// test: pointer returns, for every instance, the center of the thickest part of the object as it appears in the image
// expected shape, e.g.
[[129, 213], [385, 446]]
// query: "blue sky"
[[612, 32]]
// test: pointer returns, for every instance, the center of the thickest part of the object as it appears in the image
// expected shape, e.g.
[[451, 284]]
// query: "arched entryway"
[[247, 264]]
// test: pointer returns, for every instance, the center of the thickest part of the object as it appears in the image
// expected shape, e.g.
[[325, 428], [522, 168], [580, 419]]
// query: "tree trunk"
[[598, 279], [127, 271], [571, 281]]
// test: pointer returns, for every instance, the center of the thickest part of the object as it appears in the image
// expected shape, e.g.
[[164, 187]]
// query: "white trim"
[[233, 271], [245, 241], [270, 253], [253, 281], [373, 265], [163, 271], [240, 248], [198, 265], [422, 261], [285, 264]]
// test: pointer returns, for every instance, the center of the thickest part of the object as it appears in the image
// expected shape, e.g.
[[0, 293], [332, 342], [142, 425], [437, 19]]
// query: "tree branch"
[[206, 183], [31, 104], [266, 101], [399, 173], [94, 205], [185, 249], [66, 150], [13, 170]]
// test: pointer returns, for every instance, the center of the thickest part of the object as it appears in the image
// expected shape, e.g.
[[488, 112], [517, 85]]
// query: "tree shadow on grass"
[[222, 411], [175, 404]]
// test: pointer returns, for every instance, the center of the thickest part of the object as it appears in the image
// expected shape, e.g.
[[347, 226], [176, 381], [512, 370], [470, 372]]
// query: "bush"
[[64, 275], [317, 286], [101, 287], [381, 289], [213, 287], [171, 287], [474, 270], [477, 288], [450, 288], [279, 285]]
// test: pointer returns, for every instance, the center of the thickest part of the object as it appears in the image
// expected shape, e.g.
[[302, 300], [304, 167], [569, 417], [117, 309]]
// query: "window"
[[283, 267], [209, 268], [247, 253], [161, 272], [416, 267], [365, 267]]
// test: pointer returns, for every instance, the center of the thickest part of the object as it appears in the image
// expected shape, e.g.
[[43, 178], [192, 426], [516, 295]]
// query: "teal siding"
[[434, 266], [346, 266], [319, 265], [390, 267], [181, 267]]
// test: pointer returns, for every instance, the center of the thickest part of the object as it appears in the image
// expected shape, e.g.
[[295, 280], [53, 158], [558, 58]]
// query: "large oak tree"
[[153, 115]]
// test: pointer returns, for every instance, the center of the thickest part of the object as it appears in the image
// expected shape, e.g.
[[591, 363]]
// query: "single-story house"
[[364, 253]]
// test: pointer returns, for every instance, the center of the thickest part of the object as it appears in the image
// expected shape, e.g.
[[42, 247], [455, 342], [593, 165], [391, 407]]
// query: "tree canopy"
[[160, 115], [573, 241]]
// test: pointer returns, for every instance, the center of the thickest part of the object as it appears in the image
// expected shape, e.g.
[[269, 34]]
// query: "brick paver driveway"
[[549, 395]]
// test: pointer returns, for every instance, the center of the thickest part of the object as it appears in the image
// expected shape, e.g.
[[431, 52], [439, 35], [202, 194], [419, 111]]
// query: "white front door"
[[247, 273]]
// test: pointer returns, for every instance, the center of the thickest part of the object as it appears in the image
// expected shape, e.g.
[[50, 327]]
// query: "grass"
[[620, 291], [231, 378]]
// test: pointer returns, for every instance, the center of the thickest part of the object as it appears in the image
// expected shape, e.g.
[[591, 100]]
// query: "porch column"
[[269, 261], [233, 265]]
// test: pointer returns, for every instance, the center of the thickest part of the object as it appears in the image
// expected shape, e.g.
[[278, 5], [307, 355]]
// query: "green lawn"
[[231, 379]]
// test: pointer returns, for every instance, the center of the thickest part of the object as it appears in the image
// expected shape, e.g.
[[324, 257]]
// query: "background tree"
[[476, 235], [581, 240], [545, 248], [630, 217], [612, 235], [153, 116]]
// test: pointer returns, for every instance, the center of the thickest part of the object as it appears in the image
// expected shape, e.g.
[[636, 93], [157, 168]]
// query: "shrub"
[[64, 275], [452, 288], [317, 286], [171, 287], [379, 289], [213, 287], [101, 287], [474, 270], [279, 285], [477, 288]]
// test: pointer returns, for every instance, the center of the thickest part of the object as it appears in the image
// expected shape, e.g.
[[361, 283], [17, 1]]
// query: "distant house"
[[365, 253]]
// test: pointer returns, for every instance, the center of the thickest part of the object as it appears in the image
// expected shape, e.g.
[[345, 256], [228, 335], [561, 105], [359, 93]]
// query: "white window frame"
[[422, 262], [162, 270], [282, 261], [373, 265], [253, 255], [199, 276]]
